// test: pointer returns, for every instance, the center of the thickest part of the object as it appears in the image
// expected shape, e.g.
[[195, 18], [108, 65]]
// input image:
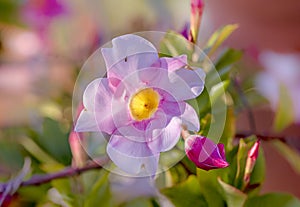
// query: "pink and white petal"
[[86, 122], [182, 84], [132, 157], [172, 64], [166, 138], [190, 118], [221, 150], [97, 113], [128, 53], [189, 83]]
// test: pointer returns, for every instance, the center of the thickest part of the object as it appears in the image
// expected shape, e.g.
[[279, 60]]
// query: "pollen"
[[144, 104]]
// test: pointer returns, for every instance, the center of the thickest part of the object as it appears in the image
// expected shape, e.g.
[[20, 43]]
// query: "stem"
[[67, 172], [246, 105], [264, 137]]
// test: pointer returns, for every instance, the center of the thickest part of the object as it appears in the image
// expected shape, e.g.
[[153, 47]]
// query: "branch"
[[246, 104], [264, 137], [67, 172]]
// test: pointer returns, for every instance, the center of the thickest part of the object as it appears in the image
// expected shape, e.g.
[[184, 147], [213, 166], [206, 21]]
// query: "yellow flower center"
[[144, 104]]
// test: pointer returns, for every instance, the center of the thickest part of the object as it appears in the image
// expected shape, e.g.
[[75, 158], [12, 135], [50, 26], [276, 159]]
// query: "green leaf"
[[273, 200], [209, 186], [229, 130], [9, 12], [233, 196], [219, 37], [186, 194], [241, 160], [218, 90], [291, 155], [138, 202], [100, 192], [228, 58], [285, 113], [174, 44], [54, 141]]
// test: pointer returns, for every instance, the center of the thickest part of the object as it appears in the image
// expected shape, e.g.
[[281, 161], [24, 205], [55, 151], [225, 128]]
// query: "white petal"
[[132, 157], [190, 118]]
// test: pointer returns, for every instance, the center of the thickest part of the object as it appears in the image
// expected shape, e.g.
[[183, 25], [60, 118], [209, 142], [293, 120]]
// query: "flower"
[[282, 70], [204, 153], [251, 160], [196, 16], [140, 103]]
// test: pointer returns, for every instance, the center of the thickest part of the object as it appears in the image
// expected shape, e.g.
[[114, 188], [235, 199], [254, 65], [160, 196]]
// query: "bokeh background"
[[44, 43]]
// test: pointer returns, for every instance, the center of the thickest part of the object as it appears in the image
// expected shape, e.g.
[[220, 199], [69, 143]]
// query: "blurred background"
[[44, 43]]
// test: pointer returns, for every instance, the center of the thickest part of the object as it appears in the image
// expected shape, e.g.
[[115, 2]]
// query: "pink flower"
[[140, 103], [196, 16], [204, 153], [251, 160]]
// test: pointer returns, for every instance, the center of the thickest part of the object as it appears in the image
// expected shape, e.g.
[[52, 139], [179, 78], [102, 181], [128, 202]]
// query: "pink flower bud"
[[205, 153], [251, 160], [196, 16]]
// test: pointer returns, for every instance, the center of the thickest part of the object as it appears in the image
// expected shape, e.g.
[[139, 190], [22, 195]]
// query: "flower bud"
[[196, 16], [251, 160], [205, 153]]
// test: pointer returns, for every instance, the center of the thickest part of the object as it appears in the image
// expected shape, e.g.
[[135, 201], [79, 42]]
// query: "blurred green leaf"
[[218, 90], [229, 129], [48, 163], [291, 155], [10, 155], [54, 141], [100, 192], [219, 37], [138, 202], [229, 57], [273, 200], [285, 113], [186, 194], [174, 44], [233, 196], [209, 186], [9, 11]]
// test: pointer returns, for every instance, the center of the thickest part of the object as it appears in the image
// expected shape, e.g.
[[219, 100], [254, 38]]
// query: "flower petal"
[[172, 64], [190, 118], [166, 138], [132, 157], [128, 53], [97, 115]]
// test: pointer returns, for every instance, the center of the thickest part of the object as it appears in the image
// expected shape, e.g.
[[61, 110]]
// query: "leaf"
[[273, 200], [9, 12], [138, 202], [174, 44], [218, 90], [241, 159], [186, 194], [228, 58], [229, 129], [219, 37], [99, 192], [209, 186], [288, 153], [54, 141], [233, 196], [285, 114]]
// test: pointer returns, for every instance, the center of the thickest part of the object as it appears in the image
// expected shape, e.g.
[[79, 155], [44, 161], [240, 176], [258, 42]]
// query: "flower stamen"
[[144, 104]]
